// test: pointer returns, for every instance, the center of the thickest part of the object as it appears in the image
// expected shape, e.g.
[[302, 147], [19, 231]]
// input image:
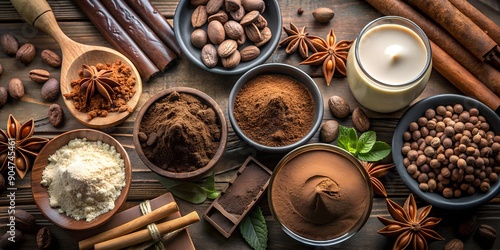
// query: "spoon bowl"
[[74, 56]]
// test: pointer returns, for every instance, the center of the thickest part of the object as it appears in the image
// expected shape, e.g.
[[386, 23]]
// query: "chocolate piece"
[[117, 37], [147, 40], [156, 21], [244, 190]]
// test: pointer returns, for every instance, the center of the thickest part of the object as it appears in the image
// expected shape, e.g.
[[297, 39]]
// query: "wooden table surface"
[[350, 18]]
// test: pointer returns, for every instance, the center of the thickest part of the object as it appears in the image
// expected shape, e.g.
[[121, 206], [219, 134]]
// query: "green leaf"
[[254, 229], [378, 152], [366, 142], [187, 191], [210, 182], [213, 195], [347, 139]]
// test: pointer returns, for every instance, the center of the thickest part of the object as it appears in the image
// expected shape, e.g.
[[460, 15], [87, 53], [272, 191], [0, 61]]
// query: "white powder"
[[84, 178]]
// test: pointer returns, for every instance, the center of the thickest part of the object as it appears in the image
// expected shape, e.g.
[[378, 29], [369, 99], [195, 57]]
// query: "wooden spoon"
[[74, 55]]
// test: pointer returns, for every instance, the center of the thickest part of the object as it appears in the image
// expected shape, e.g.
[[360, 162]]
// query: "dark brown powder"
[[274, 110], [244, 189], [180, 133]]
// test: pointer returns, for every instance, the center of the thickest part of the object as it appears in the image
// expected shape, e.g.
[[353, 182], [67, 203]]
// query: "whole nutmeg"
[[56, 115], [50, 58], [455, 244], [199, 38], [3, 96], [43, 238], [485, 235], [338, 106], [215, 32], [231, 61], [250, 5], [5, 243], [24, 220], [360, 120], [16, 88], [50, 90], [227, 48], [249, 53], [233, 29], [209, 55], [323, 15], [26, 53], [10, 45], [199, 16], [467, 227], [329, 131]]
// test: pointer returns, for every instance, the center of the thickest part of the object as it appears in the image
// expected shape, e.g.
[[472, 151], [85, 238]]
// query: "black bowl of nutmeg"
[[447, 151], [180, 133], [228, 37]]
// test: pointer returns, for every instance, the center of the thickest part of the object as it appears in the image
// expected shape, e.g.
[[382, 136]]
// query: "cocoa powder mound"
[[274, 110], [180, 133]]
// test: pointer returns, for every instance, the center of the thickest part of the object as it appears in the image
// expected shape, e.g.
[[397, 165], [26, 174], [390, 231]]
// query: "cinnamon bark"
[[463, 79], [117, 37], [147, 40], [488, 75], [461, 27], [486, 24], [156, 21]]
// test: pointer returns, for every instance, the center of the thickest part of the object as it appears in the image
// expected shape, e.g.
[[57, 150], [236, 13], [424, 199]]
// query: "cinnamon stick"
[[147, 40], [139, 222], [144, 235], [488, 75], [156, 21], [459, 26], [463, 79], [117, 37], [486, 24]]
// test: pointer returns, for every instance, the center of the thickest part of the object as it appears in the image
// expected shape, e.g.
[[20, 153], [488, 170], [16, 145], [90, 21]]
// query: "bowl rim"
[[285, 69], [186, 176], [412, 114], [40, 193], [332, 149], [262, 58]]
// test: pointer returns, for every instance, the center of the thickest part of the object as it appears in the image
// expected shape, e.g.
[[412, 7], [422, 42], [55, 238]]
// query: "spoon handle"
[[39, 14]]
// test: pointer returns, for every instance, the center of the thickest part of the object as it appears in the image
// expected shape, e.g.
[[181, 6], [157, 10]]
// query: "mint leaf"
[[187, 191], [210, 182], [378, 152], [366, 142], [253, 228], [347, 139]]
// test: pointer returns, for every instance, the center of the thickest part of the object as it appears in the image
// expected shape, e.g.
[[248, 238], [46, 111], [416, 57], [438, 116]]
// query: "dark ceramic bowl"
[[412, 114], [278, 68], [183, 30], [184, 176]]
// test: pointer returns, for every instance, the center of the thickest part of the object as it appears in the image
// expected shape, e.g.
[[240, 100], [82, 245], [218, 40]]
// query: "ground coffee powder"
[[274, 110], [180, 133]]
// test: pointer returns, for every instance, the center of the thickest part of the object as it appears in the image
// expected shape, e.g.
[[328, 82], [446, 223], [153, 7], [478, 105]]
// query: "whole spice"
[[199, 38], [300, 11], [3, 96], [39, 75], [376, 171], [2, 182], [485, 235], [410, 224], [97, 81], [331, 55], [329, 131], [50, 90], [199, 16], [26, 53], [24, 220], [209, 55], [44, 238], [323, 15], [10, 45], [16, 88], [467, 227], [50, 58], [249, 53], [454, 244], [56, 115], [360, 121], [338, 106], [6, 243], [299, 39], [27, 146]]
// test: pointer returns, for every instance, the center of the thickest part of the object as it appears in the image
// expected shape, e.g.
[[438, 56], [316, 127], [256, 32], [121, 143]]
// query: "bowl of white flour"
[[81, 178]]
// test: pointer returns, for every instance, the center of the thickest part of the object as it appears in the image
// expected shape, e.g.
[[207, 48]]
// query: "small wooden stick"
[[144, 235], [130, 226]]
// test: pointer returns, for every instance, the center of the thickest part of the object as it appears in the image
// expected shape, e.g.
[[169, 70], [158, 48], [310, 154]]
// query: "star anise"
[[332, 55], [376, 171], [301, 40], [99, 80], [19, 140], [410, 225]]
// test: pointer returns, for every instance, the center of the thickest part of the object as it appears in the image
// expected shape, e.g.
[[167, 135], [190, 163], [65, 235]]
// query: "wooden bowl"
[[41, 195], [185, 176]]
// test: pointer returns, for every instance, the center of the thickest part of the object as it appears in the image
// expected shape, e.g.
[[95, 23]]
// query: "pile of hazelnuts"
[[452, 151]]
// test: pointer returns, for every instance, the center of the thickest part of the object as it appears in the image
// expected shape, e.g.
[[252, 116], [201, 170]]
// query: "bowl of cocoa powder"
[[446, 148], [275, 107], [180, 133]]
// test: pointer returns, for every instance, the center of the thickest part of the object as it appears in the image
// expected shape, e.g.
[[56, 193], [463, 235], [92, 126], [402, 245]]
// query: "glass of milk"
[[389, 64]]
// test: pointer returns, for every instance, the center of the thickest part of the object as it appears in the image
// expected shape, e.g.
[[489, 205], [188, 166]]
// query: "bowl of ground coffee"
[[275, 107], [320, 194], [180, 133]]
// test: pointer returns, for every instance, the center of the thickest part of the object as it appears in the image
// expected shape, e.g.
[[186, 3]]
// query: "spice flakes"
[[103, 88]]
